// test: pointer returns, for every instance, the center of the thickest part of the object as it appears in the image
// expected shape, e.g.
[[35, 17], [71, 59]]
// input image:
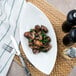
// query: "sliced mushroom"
[[39, 33], [46, 48], [32, 37], [36, 47], [48, 39], [32, 30], [44, 28], [38, 43], [36, 35], [35, 51], [30, 43], [33, 34], [31, 46], [37, 28], [28, 35], [39, 37]]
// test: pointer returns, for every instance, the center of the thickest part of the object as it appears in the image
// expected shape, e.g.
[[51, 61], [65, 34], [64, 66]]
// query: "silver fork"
[[7, 48], [27, 71]]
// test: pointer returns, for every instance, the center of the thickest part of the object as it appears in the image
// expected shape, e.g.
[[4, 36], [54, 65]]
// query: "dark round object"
[[37, 28], [73, 34], [44, 28], [27, 34], [71, 17], [67, 40], [66, 26]]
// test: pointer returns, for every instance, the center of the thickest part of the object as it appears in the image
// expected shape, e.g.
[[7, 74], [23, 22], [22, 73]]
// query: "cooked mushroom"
[[48, 38], [44, 29], [46, 48], [39, 33], [36, 47], [36, 35], [35, 51], [30, 44], [37, 28], [28, 35], [39, 37], [33, 34], [38, 43], [32, 30]]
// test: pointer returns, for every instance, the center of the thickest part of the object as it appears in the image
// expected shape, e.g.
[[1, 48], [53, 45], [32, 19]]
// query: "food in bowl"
[[38, 39]]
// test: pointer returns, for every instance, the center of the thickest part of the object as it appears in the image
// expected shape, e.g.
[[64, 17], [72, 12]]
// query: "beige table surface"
[[64, 6]]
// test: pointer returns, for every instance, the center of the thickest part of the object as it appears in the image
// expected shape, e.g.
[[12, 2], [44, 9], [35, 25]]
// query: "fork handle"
[[27, 72], [24, 66]]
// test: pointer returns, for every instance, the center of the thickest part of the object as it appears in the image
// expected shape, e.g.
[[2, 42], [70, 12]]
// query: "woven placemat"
[[62, 67]]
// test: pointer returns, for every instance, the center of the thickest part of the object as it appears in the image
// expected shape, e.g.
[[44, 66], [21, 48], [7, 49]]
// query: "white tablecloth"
[[10, 27]]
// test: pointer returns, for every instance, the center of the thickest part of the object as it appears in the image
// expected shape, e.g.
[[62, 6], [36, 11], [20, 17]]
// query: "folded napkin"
[[9, 27]]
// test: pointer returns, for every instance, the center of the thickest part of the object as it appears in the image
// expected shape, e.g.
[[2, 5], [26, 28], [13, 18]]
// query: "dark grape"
[[66, 26], [73, 34], [67, 40], [71, 17]]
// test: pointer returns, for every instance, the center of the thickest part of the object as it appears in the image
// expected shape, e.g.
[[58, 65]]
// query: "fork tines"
[[7, 48]]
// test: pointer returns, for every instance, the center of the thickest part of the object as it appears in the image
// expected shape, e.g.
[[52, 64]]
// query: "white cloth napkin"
[[9, 27]]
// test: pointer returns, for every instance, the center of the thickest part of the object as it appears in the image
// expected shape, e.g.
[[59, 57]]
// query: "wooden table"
[[64, 6]]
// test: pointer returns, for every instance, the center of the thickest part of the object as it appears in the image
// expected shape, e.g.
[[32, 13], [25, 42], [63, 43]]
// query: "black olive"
[[71, 17]]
